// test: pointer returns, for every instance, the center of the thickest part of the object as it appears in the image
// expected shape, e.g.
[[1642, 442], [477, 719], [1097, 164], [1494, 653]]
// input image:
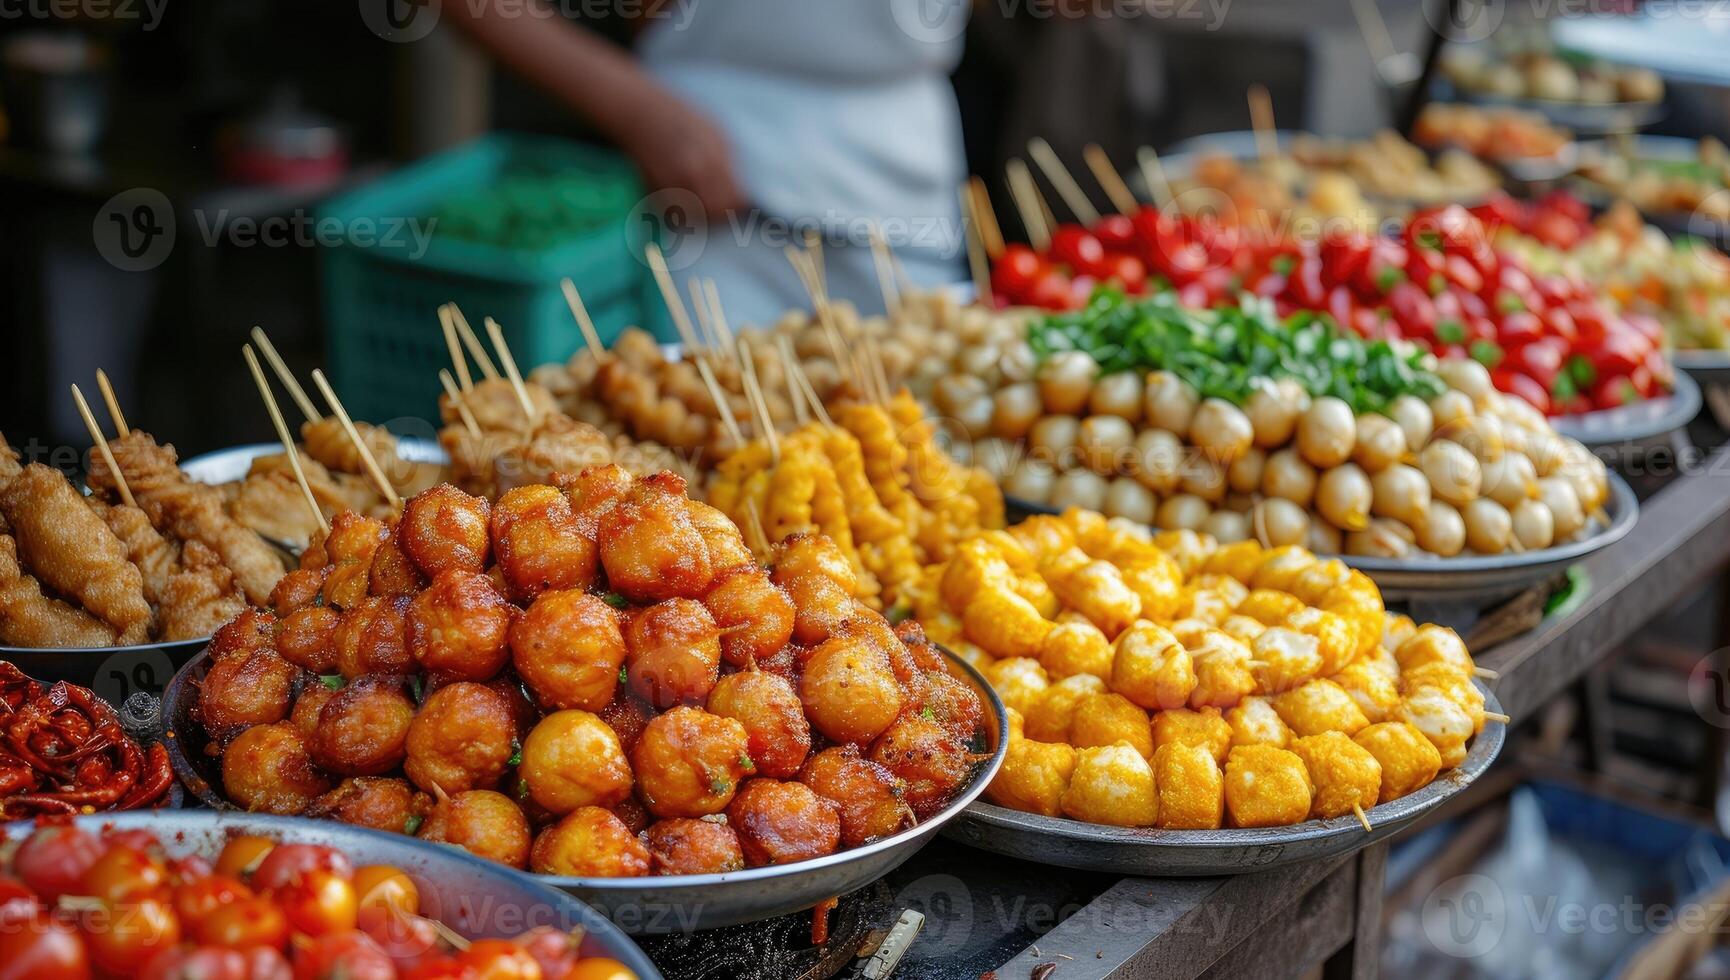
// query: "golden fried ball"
[[1034, 777], [1269, 606], [1075, 648], [1112, 784], [1444, 723], [1106, 719], [1191, 787], [573, 759], [1287, 658], [1375, 693], [1254, 721], [482, 822], [1343, 772], [686, 846], [1021, 682], [1409, 762], [1151, 668], [774, 720], [1223, 675], [1266, 787], [1205, 727], [849, 688], [779, 823], [568, 648], [1049, 718], [1318, 706], [589, 842], [688, 762], [1336, 639], [267, 770]]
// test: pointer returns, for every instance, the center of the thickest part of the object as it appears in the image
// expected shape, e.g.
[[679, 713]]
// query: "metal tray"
[[1639, 422], [1189, 853], [1708, 367], [667, 903], [116, 673], [475, 897]]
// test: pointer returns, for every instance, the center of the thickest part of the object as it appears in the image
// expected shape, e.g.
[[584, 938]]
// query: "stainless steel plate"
[[1637, 422], [477, 898], [1187, 853], [670, 903]]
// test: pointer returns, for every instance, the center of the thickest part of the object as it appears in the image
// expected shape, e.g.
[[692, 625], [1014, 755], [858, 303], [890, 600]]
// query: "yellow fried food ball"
[[1189, 549], [1020, 681], [1004, 624], [1244, 628], [1233, 590], [1096, 590], [1034, 777], [1011, 549], [1280, 567], [1191, 788], [1157, 582], [1266, 787], [1205, 727], [1443, 722], [1151, 668], [1076, 648], [1223, 676], [1336, 639], [1239, 559], [1112, 784], [1455, 686], [1254, 721], [1376, 693], [1342, 771], [1043, 534], [1017, 727], [1318, 706], [1038, 593], [1269, 606], [1409, 762], [1190, 632], [1208, 605], [1313, 583], [1433, 644], [1397, 628], [1287, 658], [1105, 719], [1359, 602], [1048, 719], [1381, 660], [975, 567]]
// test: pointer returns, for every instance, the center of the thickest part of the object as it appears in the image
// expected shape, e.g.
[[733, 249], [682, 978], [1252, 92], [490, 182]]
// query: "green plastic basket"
[[383, 284]]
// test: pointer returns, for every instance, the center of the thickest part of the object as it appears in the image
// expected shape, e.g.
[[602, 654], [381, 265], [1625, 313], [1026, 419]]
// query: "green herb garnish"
[[615, 600], [332, 681], [412, 824]]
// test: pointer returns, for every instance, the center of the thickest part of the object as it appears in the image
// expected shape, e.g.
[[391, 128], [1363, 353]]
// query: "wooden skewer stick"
[[113, 403], [986, 216], [1027, 205], [591, 336], [797, 370], [724, 333], [1358, 811], [976, 260], [670, 295], [1154, 174], [458, 361], [384, 488], [844, 362], [1261, 117], [101, 442], [461, 403], [885, 273], [878, 371], [1109, 179], [1497, 716], [754, 521], [723, 407], [473, 343], [814, 248], [754, 391], [1063, 180], [705, 323], [283, 374], [497, 336], [796, 395], [1485, 672], [282, 433]]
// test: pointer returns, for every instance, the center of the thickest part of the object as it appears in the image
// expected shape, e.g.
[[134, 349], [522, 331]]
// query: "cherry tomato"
[[1016, 270], [1462, 273], [289, 861], [1560, 323], [1413, 310], [198, 898], [1541, 360], [1074, 246], [342, 956], [267, 963], [552, 949], [1382, 270], [409, 940], [242, 855], [600, 968], [1052, 292], [1129, 271], [255, 921], [1519, 327], [438, 968], [17, 901], [1115, 231], [1304, 285], [382, 886], [44, 948], [123, 935], [1614, 393], [190, 867], [196, 963], [318, 902], [499, 959], [53, 860], [1514, 383], [1343, 256], [124, 873]]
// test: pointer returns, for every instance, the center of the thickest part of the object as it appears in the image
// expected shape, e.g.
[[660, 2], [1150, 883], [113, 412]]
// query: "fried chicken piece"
[[190, 511], [72, 551], [9, 468], [157, 557], [199, 597], [30, 619], [328, 442]]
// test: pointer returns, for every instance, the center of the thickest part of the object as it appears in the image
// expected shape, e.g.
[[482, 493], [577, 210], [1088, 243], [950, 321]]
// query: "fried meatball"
[[372, 638], [568, 649], [1255, 722], [267, 770], [1112, 784], [1206, 728], [954, 704], [573, 759], [1049, 718], [1106, 719], [867, 795], [849, 689], [921, 754], [307, 706], [756, 617], [1034, 777], [779, 823], [458, 625], [308, 638], [482, 822], [539, 544], [297, 590], [1191, 787], [673, 653], [244, 689], [1288, 658], [370, 801], [461, 739], [1151, 668], [1266, 787], [253, 629], [649, 546], [1344, 773], [1020, 681], [721, 536], [595, 492], [363, 730], [445, 530], [1409, 762], [688, 762], [627, 717], [393, 572], [1318, 706], [589, 842], [774, 720], [821, 583], [349, 549], [683, 846], [1075, 648]]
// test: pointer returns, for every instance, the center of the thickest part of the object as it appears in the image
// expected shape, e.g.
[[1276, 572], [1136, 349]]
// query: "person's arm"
[[672, 144]]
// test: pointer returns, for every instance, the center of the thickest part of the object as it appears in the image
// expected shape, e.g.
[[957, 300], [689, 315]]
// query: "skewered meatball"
[[848, 688], [721, 536], [308, 638], [649, 546], [1191, 787], [868, 796], [1151, 668], [443, 529], [689, 762], [573, 759], [595, 491], [1343, 771], [393, 572], [568, 649], [1112, 784], [779, 823], [1444, 723], [298, 589], [756, 617], [1409, 762], [674, 653], [1433, 644], [363, 729], [1034, 777], [372, 638], [371, 801], [683, 846], [773, 717], [1255, 722], [819, 581], [921, 754], [244, 689], [482, 822], [349, 549], [1266, 787], [253, 629], [1319, 706], [1336, 639], [457, 627], [461, 739], [267, 770], [627, 717], [539, 544], [1049, 718], [1105, 719], [589, 843], [1206, 727]]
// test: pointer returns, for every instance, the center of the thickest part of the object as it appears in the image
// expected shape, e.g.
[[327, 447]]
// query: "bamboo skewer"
[[723, 407], [670, 295], [754, 392], [844, 362], [497, 336], [1154, 174], [461, 403], [1027, 205], [814, 248], [878, 372], [885, 273], [458, 361], [724, 333], [797, 370], [989, 231], [705, 322], [101, 442], [580, 313], [1063, 180], [1485, 672], [1497, 716], [801, 412], [976, 260], [473, 343], [114, 412], [1358, 811], [1261, 117], [1109, 179], [283, 374], [282, 433], [366, 457]]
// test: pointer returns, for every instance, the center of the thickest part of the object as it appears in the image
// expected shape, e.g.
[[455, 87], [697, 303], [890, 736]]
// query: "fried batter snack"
[[199, 597], [30, 619], [72, 551]]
